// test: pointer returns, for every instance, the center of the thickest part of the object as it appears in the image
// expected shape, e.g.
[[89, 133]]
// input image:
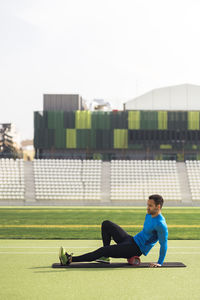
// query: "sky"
[[109, 49]]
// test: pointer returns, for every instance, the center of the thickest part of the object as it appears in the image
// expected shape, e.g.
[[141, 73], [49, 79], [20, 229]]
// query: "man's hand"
[[154, 265]]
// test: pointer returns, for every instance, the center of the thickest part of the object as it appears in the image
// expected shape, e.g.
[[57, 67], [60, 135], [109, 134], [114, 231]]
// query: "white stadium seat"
[[12, 179], [81, 181], [193, 173], [136, 180], [67, 179]]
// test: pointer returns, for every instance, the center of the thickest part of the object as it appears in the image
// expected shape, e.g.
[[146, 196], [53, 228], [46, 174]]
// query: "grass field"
[[26, 273], [84, 223], [30, 239]]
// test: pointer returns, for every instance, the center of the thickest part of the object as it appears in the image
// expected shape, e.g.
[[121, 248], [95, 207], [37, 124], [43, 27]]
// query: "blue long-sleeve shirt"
[[154, 229]]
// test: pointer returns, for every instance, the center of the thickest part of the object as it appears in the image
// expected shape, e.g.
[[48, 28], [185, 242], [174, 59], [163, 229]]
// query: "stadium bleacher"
[[137, 179], [193, 173], [91, 178], [67, 179], [12, 179], [82, 181]]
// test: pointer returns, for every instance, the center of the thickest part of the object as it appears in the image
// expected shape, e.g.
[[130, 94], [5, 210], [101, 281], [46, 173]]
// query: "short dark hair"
[[157, 199]]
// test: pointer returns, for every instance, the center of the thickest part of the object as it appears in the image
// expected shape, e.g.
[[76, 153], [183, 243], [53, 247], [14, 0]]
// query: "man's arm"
[[162, 237]]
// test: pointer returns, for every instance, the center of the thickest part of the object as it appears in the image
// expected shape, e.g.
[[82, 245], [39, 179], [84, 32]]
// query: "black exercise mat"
[[116, 265]]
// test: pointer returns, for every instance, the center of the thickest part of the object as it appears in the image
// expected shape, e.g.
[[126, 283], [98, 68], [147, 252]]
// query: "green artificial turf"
[[89, 216], [26, 273]]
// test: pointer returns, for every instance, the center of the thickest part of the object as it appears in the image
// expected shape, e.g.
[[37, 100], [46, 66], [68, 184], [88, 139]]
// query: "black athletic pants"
[[125, 245]]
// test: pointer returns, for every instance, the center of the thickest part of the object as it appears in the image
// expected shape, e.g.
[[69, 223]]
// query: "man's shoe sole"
[[103, 261]]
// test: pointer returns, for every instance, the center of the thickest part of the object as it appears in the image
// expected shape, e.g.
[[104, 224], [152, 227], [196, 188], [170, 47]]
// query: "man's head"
[[154, 204]]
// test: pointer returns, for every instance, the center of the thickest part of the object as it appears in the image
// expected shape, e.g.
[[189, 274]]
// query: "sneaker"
[[65, 258], [104, 260]]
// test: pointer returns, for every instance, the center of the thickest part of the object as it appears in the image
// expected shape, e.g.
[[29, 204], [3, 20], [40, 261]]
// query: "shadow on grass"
[[45, 267], [53, 270]]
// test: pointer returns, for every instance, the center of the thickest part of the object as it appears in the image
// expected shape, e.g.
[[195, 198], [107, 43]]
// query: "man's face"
[[152, 209]]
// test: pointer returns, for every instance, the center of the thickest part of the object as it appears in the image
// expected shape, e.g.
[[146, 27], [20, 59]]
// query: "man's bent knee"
[[105, 223]]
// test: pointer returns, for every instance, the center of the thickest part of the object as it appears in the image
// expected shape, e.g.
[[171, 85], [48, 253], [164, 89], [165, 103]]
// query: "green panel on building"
[[148, 120], [120, 138], [104, 139], [60, 119], [171, 120], [81, 142], [82, 138], [60, 138], [107, 139], [193, 120], [50, 138], [165, 146], [44, 138], [83, 119], [183, 120], [119, 120], [101, 120], [55, 119], [51, 120], [71, 138], [92, 141], [108, 130], [69, 119], [86, 139], [134, 119], [162, 120], [177, 120]]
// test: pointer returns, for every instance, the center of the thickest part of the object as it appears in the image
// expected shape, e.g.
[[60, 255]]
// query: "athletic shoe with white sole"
[[104, 260], [65, 258]]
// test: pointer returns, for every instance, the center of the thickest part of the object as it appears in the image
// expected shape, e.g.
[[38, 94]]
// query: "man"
[[154, 229]]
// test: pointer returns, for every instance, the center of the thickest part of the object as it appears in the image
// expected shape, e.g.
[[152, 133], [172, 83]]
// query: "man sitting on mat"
[[154, 229]]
